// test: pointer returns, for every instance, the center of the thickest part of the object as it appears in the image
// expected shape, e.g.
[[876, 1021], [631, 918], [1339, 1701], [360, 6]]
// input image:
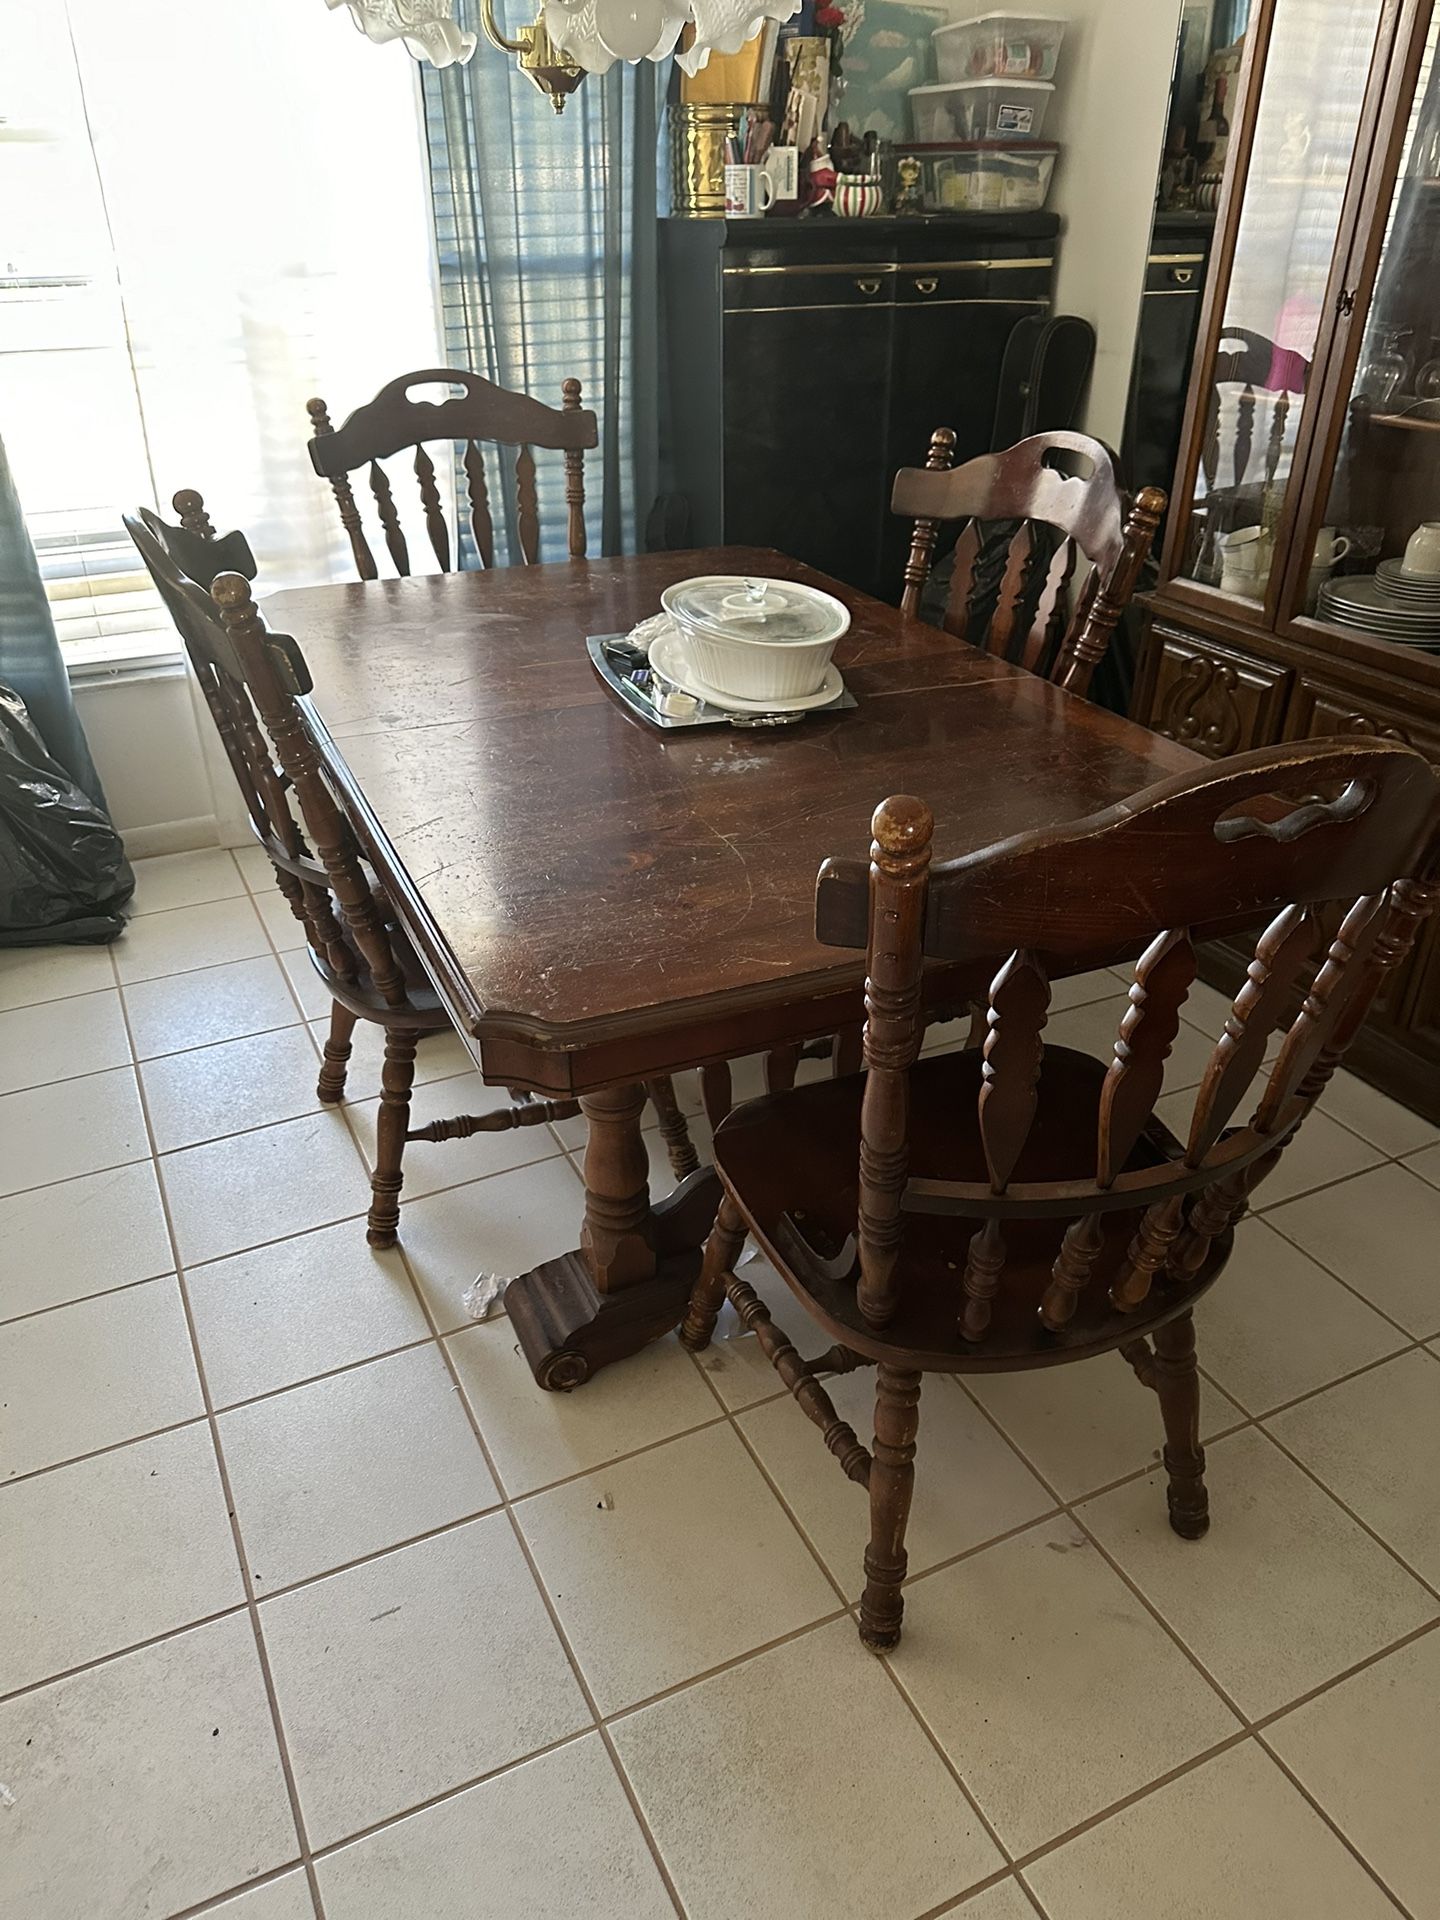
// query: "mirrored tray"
[[628, 674]]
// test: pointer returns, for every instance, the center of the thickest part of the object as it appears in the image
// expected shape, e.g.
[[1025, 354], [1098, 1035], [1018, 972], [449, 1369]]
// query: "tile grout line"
[[1068, 1508], [942, 1756], [1059, 1510], [232, 1510], [518, 1533], [1264, 1721], [956, 1902], [732, 1416], [1333, 1824], [1250, 1727], [1271, 1221], [1246, 1730], [1431, 1588], [344, 1108], [120, 1653]]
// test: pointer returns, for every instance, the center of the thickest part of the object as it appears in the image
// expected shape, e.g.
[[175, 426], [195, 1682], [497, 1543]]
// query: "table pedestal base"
[[568, 1328]]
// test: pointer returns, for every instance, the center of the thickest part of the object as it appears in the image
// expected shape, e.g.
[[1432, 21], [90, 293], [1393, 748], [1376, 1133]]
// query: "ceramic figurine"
[[907, 195]]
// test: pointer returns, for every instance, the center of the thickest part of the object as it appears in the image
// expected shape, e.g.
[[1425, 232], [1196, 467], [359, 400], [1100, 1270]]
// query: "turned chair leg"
[[673, 1128], [390, 1130], [892, 1482], [722, 1250], [1177, 1382], [331, 1085]]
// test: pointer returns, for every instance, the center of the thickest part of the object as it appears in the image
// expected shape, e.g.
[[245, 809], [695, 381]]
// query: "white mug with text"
[[748, 191]]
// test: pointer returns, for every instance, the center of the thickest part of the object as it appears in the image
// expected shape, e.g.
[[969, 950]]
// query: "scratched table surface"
[[574, 878]]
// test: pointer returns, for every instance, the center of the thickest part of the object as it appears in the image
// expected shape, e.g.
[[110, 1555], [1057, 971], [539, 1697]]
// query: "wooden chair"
[[1011, 585], [1016, 589], [248, 676], [392, 421], [1024, 1206]]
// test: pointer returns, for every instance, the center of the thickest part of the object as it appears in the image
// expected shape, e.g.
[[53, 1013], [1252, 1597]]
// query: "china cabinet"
[[1310, 451]]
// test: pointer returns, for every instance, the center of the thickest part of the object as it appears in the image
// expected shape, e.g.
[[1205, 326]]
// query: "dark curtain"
[[30, 659], [545, 224]]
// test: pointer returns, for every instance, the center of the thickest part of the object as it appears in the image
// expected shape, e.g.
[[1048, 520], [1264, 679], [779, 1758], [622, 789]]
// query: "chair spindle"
[[320, 426], [1013, 1055], [527, 510], [899, 870], [389, 519], [939, 459], [481, 524], [574, 476], [430, 501]]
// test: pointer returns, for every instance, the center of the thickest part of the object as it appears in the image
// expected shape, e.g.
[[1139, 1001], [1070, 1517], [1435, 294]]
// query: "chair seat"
[[422, 1011], [791, 1161]]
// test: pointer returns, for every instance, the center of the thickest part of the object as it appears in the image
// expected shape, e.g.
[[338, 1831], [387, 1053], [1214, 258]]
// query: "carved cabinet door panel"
[[1209, 698]]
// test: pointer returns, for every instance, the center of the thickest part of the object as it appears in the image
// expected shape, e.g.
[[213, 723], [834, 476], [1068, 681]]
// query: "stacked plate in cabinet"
[[1389, 603]]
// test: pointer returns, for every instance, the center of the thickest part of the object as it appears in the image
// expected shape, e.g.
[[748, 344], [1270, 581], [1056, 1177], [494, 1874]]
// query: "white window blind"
[[70, 415], [207, 215]]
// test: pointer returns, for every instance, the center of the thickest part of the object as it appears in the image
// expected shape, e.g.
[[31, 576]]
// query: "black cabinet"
[[809, 359]]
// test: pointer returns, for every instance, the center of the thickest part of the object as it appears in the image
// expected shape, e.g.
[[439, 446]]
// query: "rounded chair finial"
[[230, 590], [901, 824], [187, 501]]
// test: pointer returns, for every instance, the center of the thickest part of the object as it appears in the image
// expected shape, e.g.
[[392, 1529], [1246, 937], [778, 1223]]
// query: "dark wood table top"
[[587, 889]]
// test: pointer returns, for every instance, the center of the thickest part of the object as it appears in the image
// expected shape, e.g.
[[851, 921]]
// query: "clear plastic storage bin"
[[963, 177], [999, 46], [1001, 110]]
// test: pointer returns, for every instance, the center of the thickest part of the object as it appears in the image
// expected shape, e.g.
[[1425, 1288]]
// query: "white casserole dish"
[[768, 640]]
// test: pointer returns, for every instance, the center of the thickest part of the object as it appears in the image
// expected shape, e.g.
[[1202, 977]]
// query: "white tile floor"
[[313, 1605]]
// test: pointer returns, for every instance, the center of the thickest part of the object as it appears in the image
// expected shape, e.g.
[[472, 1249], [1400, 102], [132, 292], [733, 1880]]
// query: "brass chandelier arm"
[[492, 30], [537, 56]]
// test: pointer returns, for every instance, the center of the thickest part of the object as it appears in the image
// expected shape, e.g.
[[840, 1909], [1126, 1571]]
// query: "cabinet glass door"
[[1374, 547], [1314, 81]]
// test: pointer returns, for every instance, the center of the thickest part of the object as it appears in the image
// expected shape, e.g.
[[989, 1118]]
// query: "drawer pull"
[[868, 285], [926, 284], [1182, 276]]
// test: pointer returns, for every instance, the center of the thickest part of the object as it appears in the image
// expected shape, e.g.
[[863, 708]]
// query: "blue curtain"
[[545, 224], [30, 659]]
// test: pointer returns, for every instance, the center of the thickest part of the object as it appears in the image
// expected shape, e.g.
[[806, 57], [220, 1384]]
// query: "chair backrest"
[[194, 547], [1249, 434], [1021, 585], [393, 421], [264, 787], [178, 582], [276, 677], [1240, 843]]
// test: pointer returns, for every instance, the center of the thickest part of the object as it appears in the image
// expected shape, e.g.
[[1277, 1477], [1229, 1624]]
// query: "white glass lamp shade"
[[596, 33], [428, 27], [724, 26]]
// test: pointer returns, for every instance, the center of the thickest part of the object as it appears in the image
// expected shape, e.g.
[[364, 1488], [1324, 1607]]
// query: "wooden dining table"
[[599, 903]]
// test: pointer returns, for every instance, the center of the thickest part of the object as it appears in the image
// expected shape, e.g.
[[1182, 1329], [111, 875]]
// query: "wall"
[[1110, 115], [142, 731]]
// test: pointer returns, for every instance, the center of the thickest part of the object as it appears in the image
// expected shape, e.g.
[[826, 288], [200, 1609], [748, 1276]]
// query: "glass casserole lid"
[[744, 607]]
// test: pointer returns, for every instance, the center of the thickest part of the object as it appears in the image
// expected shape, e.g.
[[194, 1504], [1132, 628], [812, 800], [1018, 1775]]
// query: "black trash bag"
[[63, 871]]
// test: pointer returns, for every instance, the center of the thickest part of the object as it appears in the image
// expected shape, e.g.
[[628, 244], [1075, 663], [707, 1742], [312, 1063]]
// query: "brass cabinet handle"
[[868, 285], [927, 284]]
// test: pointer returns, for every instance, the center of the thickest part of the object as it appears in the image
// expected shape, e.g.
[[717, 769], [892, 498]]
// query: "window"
[[71, 415], [207, 214]]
